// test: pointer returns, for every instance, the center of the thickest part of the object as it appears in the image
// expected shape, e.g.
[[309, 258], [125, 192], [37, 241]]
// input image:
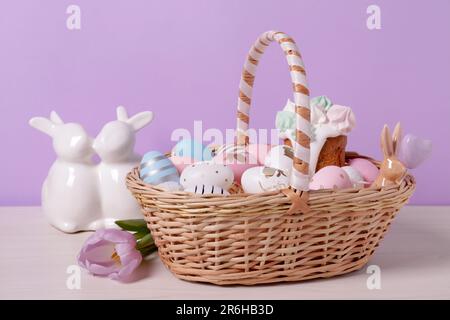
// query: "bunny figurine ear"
[[396, 137], [122, 114], [140, 120], [137, 121], [55, 118], [386, 142], [43, 124]]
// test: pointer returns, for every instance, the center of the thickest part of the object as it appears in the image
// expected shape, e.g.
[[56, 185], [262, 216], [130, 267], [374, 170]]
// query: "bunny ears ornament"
[[78, 194], [69, 193], [399, 154], [392, 171]]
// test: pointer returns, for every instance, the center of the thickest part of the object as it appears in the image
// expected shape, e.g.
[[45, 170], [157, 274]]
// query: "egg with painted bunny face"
[[207, 173], [262, 179]]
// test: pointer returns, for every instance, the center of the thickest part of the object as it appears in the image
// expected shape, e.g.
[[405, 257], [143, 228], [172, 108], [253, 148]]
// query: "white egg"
[[355, 177], [262, 179], [274, 179], [207, 173], [250, 180], [207, 190], [280, 157]]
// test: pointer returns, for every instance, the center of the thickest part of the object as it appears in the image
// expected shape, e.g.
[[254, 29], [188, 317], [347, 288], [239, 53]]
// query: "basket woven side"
[[249, 239]]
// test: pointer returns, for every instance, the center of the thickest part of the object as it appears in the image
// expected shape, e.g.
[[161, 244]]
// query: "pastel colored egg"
[[207, 190], [181, 162], [262, 179], [156, 168], [191, 149], [280, 157], [355, 177], [207, 173], [274, 179], [237, 158], [250, 180], [239, 169], [330, 177], [367, 169]]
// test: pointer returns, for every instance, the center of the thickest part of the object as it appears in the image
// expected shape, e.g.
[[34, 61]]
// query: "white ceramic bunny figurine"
[[70, 198], [115, 146]]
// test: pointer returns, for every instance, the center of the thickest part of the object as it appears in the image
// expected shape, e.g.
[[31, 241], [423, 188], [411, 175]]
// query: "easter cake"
[[330, 124]]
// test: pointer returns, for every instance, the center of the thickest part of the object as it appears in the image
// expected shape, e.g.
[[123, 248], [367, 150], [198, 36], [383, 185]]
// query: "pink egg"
[[237, 168], [238, 158], [331, 177], [181, 162], [367, 169], [259, 151]]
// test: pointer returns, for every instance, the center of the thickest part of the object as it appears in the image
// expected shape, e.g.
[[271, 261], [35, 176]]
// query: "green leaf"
[[140, 234], [132, 225], [146, 241]]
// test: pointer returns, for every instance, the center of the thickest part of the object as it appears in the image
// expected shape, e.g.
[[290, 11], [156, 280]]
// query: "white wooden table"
[[414, 259]]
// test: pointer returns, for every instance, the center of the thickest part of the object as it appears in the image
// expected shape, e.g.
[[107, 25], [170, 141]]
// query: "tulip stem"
[[147, 250]]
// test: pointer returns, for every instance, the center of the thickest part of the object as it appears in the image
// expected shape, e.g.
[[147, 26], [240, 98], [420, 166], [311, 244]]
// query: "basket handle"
[[300, 172]]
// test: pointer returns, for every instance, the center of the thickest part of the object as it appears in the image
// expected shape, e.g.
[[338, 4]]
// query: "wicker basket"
[[286, 235]]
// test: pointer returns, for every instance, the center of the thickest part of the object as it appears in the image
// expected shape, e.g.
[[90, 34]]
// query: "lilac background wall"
[[182, 59]]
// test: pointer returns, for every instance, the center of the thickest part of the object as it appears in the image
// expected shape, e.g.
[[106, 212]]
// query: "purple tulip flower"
[[111, 253]]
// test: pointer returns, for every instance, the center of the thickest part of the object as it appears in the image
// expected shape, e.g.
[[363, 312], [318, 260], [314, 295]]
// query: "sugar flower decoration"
[[342, 118], [321, 101]]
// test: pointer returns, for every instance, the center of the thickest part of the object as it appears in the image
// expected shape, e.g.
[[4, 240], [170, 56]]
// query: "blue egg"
[[192, 149], [156, 168]]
